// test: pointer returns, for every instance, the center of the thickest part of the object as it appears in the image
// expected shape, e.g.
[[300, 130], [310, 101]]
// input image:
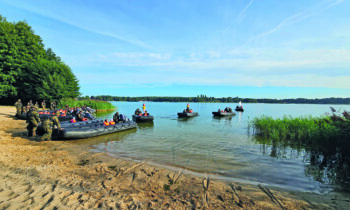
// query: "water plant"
[[326, 140], [95, 104]]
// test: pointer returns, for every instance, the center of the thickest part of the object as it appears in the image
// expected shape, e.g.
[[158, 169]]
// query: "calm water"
[[221, 147]]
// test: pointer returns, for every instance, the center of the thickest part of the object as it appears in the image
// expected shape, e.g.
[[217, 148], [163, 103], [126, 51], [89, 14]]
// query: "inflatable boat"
[[239, 109], [91, 130], [141, 118], [223, 114], [187, 114]]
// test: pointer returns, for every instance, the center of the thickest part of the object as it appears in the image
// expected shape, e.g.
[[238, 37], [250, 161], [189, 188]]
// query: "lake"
[[224, 147]]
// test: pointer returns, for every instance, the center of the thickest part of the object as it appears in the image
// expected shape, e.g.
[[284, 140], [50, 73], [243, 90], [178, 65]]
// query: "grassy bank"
[[94, 104], [326, 140]]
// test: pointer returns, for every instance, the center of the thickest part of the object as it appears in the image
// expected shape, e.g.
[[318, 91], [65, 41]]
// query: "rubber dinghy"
[[140, 119], [239, 109], [187, 114], [46, 116], [91, 130], [223, 114]]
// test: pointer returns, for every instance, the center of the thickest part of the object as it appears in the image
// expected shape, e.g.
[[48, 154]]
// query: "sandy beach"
[[62, 175]]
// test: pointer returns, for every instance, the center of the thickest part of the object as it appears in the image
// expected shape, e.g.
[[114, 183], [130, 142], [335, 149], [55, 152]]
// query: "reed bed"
[[326, 139], [94, 104]]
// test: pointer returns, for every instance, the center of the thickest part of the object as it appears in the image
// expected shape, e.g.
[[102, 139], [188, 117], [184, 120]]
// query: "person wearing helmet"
[[33, 120]]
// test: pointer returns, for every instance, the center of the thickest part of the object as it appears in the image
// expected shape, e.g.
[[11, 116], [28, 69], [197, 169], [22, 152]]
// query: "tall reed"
[[94, 104]]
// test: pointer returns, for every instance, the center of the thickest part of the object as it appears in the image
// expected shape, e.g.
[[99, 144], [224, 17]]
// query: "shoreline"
[[62, 174]]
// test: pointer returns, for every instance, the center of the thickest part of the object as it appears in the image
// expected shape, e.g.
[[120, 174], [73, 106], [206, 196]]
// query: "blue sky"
[[245, 48]]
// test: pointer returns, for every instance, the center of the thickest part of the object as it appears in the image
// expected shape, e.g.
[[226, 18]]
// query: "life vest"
[[140, 114], [111, 122], [41, 112], [73, 121], [191, 111], [145, 114], [106, 123], [85, 119]]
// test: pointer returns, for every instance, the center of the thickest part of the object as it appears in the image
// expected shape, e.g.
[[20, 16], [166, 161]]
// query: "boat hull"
[[140, 119], [93, 130], [186, 114], [223, 114]]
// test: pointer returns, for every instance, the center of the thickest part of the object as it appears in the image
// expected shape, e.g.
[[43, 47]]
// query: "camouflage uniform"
[[33, 120], [51, 107], [18, 105], [80, 116], [24, 110], [43, 105], [48, 125]]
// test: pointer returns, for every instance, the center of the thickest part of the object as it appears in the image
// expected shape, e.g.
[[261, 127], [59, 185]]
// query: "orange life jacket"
[[73, 121], [111, 122], [85, 119], [106, 123]]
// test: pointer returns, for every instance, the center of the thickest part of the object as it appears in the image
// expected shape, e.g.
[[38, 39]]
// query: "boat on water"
[[239, 107], [223, 114], [142, 118], [88, 130], [187, 114]]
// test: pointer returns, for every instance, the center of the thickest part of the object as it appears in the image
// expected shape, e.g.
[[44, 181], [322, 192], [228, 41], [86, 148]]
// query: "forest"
[[28, 70], [206, 99]]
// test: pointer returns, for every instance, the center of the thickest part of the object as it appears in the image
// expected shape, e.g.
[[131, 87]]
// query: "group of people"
[[21, 109], [117, 118], [227, 109], [187, 110], [33, 119], [139, 112], [47, 125]]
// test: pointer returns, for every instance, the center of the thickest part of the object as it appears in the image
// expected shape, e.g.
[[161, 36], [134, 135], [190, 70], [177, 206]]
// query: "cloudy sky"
[[245, 48]]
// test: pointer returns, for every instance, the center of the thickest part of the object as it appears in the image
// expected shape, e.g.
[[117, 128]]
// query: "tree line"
[[28, 70], [205, 99]]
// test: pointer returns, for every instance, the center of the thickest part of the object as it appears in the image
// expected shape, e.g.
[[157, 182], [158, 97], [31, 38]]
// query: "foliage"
[[27, 70], [325, 139], [204, 98], [95, 104]]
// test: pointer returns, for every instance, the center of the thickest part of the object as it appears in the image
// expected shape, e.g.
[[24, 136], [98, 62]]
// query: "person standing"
[[43, 105], [30, 103], [54, 105], [51, 107], [48, 125], [37, 105], [144, 107], [18, 105], [33, 120]]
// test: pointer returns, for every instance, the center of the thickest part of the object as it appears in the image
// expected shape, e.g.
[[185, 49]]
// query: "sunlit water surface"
[[217, 146]]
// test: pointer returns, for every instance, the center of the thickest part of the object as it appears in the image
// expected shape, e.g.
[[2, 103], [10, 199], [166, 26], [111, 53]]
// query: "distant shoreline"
[[206, 99]]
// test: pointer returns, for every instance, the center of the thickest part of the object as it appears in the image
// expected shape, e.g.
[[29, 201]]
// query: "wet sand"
[[62, 175]]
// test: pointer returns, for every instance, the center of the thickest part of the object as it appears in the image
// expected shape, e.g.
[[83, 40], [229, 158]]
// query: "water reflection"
[[147, 126], [323, 164]]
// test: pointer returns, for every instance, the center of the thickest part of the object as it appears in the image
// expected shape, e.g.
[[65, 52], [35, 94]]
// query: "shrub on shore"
[[94, 104]]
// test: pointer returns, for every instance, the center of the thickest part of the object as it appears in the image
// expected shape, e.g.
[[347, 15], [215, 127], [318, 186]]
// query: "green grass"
[[325, 139], [94, 104]]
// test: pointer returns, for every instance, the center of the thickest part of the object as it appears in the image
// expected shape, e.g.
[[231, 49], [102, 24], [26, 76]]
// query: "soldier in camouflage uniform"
[[48, 125], [18, 105], [33, 120], [36, 105], [43, 104]]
